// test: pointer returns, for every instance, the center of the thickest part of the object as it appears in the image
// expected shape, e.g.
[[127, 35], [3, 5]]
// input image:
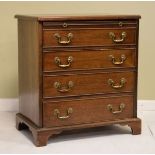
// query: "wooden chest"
[[77, 72]]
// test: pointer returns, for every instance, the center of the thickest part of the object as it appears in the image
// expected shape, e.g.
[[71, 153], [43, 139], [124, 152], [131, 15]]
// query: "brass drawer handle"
[[113, 37], [63, 88], [117, 86], [64, 42], [121, 108], [118, 61], [68, 111], [58, 62]]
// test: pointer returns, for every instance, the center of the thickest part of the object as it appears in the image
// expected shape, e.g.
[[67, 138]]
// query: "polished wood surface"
[[88, 59], [70, 17], [88, 37], [87, 111], [90, 23], [41, 135], [29, 78], [88, 83], [67, 81]]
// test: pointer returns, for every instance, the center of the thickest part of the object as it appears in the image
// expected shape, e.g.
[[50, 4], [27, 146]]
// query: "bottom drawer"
[[82, 111]]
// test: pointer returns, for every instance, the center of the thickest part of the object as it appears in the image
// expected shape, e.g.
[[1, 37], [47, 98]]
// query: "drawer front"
[[87, 84], [89, 37], [90, 24], [86, 59], [71, 112]]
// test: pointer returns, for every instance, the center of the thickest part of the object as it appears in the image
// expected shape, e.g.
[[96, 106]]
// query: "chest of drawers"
[[77, 72]]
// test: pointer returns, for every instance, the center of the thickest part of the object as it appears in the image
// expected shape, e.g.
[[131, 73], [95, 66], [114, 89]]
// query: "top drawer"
[[92, 34]]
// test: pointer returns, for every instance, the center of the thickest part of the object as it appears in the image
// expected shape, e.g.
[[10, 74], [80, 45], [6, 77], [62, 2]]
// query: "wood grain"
[[90, 71], [70, 17], [88, 37], [29, 92], [88, 59], [87, 84], [86, 111], [41, 135], [90, 24]]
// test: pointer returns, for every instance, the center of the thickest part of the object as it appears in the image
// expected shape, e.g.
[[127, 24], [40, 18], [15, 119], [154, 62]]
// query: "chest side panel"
[[29, 69]]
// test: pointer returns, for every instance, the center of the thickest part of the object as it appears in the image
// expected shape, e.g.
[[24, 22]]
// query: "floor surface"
[[112, 139]]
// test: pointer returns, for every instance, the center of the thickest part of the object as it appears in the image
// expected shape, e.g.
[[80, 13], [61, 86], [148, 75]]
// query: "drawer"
[[90, 24], [87, 84], [89, 37], [82, 111], [88, 59]]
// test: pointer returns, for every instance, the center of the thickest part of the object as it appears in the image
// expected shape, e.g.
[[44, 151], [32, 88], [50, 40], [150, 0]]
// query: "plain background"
[[9, 44]]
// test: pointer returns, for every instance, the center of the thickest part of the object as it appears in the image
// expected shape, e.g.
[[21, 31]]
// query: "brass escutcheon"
[[120, 24], [64, 25]]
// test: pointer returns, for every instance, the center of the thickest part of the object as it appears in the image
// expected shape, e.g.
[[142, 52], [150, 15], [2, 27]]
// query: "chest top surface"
[[61, 17]]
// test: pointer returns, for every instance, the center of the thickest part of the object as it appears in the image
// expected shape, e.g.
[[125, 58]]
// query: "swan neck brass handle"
[[68, 112], [118, 61], [59, 64], [64, 42], [113, 37], [121, 108], [117, 86], [63, 88]]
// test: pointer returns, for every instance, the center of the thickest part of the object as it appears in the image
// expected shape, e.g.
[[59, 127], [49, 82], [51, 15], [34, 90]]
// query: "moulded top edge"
[[76, 17]]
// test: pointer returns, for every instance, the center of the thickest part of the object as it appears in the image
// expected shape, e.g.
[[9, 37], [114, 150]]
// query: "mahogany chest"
[[77, 72]]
